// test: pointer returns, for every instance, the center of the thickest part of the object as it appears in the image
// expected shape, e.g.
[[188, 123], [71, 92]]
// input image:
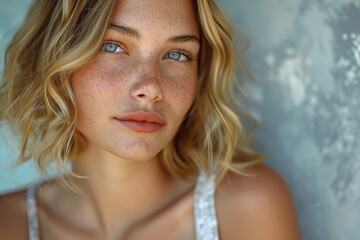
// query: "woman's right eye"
[[111, 47]]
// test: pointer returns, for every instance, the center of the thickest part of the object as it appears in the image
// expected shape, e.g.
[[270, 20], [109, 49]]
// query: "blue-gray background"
[[307, 55]]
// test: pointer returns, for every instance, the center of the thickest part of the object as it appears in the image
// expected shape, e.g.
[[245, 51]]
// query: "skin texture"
[[128, 194], [138, 77]]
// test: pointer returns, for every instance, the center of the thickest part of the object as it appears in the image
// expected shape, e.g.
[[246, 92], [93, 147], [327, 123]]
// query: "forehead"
[[169, 15]]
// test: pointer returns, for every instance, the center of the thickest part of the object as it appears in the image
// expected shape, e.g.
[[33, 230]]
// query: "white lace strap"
[[32, 213], [205, 214]]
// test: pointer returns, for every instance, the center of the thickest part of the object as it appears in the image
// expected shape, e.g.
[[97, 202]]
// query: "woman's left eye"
[[111, 47], [177, 56]]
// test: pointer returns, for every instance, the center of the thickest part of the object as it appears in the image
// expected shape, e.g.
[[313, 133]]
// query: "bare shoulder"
[[256, 207], [13, 215]]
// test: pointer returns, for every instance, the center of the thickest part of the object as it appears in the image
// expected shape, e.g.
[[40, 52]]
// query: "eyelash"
[[117, 44], [182, 51]]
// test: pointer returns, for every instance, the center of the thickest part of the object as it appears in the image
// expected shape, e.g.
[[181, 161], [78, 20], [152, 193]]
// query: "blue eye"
[[177, 56], [112, 48]]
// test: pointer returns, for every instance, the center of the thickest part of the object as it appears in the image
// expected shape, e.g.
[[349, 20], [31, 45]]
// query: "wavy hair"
[[58, 37]]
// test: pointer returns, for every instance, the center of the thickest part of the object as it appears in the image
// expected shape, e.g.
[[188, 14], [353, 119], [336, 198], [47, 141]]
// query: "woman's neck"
[[121, 193]]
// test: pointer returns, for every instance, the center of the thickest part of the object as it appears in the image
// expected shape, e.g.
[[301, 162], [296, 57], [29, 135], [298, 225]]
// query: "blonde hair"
[[58, 37]]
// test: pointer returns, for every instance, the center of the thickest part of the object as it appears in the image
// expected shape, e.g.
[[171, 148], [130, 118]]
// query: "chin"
[[138, 154], [137, 157]]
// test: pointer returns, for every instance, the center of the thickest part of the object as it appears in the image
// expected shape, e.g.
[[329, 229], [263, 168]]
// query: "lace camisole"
[[204, 209]]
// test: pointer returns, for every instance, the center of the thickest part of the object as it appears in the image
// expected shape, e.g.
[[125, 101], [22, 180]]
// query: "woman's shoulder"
[[256, 206], [13, 215]]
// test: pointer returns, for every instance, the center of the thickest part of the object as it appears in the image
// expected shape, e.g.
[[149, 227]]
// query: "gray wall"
[[307, 55], [11, 14]]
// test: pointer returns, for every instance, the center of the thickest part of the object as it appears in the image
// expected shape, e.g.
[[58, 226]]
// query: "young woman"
[[136, 95]]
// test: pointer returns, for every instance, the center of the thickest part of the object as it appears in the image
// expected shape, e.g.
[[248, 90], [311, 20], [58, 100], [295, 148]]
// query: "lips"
[[142, 121]]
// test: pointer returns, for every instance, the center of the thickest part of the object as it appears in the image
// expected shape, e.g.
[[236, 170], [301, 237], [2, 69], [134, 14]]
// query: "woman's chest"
[[173, 222]]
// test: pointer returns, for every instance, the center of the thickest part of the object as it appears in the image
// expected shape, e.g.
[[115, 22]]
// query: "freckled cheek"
[[95, 87], [181, 91]]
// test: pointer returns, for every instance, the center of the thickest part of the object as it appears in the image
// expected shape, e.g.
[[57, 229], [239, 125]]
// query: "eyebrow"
[[135, 34], [185, 38], [125, 30]]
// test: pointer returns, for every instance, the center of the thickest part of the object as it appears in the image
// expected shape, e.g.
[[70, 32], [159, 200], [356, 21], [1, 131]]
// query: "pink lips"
[[142, 121]]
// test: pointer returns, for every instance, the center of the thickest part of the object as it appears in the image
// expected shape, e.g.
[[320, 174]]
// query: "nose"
[[147, 89]]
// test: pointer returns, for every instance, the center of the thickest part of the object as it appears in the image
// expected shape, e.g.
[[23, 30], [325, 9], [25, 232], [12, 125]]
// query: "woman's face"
[[133, 98]]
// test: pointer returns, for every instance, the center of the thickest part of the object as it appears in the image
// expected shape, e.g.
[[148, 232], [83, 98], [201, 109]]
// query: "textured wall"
[[11, 14], [307, 55]]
